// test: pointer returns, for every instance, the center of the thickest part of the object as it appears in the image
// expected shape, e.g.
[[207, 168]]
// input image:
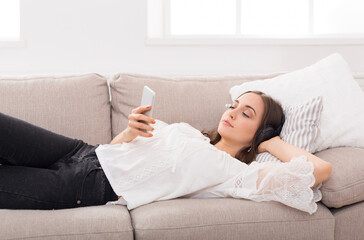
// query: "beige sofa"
[[94, 108]]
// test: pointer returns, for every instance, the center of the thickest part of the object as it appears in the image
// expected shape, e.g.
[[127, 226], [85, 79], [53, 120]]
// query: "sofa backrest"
[[75, 106], [196, 100], [79, 106]]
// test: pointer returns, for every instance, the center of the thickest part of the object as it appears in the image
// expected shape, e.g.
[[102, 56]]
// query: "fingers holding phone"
[[139, 122]]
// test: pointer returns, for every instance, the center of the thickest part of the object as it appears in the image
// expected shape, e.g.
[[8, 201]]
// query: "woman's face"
[[245, 117]]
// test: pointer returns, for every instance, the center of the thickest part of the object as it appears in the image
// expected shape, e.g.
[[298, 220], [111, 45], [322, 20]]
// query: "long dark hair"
[[272, 115]]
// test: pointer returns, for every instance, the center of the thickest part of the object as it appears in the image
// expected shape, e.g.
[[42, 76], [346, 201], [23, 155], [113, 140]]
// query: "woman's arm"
[[120, 138], [285, 151]]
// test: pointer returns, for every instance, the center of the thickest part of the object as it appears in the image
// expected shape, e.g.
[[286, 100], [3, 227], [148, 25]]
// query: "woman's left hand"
[[262, 147]]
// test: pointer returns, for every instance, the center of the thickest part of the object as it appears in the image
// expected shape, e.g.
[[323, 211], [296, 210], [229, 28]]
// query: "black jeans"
[[44, 170]]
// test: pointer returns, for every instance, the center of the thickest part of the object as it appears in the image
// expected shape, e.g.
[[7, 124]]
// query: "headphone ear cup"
[[265, 134], [269, 131]]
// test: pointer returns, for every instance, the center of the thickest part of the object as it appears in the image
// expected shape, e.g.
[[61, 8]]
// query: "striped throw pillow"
[[300, 128]]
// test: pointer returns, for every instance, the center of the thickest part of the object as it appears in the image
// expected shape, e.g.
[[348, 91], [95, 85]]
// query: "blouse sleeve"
[[286, 182]]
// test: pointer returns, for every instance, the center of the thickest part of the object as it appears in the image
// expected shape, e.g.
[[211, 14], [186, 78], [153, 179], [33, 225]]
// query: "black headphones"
[[269, 131]]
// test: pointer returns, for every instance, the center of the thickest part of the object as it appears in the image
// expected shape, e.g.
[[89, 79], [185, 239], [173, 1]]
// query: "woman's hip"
[[70, 184]]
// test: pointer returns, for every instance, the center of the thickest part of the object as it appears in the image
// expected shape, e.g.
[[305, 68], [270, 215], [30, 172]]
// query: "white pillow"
[[300, 128], [342, 118]]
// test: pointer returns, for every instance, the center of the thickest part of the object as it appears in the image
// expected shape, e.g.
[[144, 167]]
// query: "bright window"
[[202, 17], [338, 16], [264, 18], [9, 20], [269, 17]]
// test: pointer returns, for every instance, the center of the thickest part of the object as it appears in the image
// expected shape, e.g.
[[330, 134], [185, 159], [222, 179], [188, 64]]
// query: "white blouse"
[[179, 161]]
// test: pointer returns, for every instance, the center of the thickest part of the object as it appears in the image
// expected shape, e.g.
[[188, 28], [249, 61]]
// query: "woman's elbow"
[[322, 173]]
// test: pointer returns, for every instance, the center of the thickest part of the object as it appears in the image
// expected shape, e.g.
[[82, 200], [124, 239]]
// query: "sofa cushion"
[[228, 218], [94, 222], [346, 182], [349, 221], [196, 100], [75, 106], [342, 99]]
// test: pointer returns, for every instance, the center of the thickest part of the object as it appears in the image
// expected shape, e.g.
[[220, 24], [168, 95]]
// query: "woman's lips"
[[227, 123]]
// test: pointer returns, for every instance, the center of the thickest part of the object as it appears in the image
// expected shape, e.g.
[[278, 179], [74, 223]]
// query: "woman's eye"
[[246, 115]]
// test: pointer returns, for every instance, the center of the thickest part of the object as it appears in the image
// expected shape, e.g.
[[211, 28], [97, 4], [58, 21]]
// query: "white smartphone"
[[147, 99]]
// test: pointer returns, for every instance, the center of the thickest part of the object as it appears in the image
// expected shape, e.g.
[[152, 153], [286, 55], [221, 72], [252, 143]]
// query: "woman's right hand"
[[134, 126]]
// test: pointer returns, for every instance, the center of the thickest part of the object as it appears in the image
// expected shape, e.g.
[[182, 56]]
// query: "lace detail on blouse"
[[286, 182], [157, 167], [149, 170]]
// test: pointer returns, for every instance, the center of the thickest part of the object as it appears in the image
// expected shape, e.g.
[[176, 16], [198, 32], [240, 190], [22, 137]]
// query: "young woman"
[[44, 170]]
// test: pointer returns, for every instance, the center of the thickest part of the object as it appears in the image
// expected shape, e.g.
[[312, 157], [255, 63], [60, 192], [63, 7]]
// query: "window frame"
[[165, 37]]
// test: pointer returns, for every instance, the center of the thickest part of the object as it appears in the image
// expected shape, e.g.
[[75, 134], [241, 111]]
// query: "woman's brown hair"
[[272, 115]]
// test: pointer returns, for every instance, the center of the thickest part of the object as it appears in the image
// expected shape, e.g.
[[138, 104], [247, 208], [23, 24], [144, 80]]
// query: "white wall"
[[108, 36]]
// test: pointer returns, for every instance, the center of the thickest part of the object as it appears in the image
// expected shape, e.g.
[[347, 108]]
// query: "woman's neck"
[[229, 148]]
